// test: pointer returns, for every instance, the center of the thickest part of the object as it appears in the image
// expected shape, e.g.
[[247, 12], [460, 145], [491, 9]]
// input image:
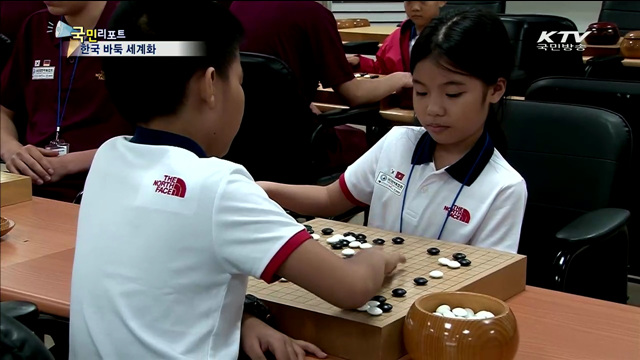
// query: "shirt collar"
[[148, 136], [482, 151]]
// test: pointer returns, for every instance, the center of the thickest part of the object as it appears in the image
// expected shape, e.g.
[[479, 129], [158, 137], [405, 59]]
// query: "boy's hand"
[[258, 337], [391, 261]]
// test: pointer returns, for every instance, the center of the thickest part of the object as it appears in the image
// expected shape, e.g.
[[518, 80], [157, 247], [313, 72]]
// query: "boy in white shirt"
[[168, 233]]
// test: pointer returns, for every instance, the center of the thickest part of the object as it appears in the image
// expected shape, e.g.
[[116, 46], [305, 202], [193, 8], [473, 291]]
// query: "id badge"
[[58, 145]]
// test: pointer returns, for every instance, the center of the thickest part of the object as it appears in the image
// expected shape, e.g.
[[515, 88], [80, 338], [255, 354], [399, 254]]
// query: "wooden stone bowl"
[[433, 337], [6, 225], [630, 46]]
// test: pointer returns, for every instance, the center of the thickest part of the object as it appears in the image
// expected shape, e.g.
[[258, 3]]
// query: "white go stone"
[[366, 246], [350, 238], [333, 239], [453, 265], [448, 314], [437, 314], [436, 274], [354, 244], [442, 308], [470, 312], [484, 314], [373, 303], [443, 261], [459, 312], [315, 236], [348, 252], [283, 280], [364, 307], [375, 311]]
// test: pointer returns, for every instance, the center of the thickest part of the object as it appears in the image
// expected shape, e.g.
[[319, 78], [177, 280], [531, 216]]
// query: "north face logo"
[[171, 185], [459, 213]]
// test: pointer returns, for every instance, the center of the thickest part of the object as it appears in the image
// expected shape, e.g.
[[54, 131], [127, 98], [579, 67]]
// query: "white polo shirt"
[[488, 212], [166, 241]]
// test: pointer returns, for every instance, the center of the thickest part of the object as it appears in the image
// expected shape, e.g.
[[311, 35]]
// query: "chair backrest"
[[621, 97], [497, 7], [573, 158], [274, 140], [18, 342], [538, 60], [625, 14]]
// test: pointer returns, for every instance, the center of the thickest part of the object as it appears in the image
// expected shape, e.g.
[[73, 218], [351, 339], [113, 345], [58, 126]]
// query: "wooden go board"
[[351, 334], [14, 188]]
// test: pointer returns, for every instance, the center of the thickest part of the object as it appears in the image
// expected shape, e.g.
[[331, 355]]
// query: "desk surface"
[[368, 33], [37, 259]]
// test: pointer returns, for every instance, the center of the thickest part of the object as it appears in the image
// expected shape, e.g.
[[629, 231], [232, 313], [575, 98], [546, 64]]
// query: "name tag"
[[43, 73], [390, 183]]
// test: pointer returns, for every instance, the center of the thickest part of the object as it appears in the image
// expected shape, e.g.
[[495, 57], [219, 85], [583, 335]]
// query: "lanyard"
[[404, 198], [73, 74]]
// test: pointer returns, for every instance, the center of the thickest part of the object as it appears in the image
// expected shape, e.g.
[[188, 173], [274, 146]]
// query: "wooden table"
[[552, 325], [368, 33]]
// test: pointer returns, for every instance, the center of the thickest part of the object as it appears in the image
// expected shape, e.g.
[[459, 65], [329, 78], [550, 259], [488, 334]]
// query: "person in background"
[[304, 34], [165, 247], [12, 15], [45, 88], [445, 180], [394, 54]]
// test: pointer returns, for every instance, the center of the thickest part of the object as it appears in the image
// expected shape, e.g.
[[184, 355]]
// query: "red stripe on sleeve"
[[269, 273], [348, 194]]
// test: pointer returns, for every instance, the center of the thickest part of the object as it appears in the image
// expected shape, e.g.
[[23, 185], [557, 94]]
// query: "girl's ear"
[[497, 90]]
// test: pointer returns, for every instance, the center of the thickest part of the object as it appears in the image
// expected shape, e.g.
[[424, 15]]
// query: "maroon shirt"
[[303, 34], [90, 117]]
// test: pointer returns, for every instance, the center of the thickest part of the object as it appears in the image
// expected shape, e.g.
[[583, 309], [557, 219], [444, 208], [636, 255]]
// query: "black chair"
[[625, 14], [361, 47], [621, 97], [280, 138], [533, 60], [573, 159], [22, 330], [497, 7]]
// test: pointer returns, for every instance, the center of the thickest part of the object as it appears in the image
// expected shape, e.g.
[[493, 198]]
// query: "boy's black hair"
[[146, 87], [473, 42]]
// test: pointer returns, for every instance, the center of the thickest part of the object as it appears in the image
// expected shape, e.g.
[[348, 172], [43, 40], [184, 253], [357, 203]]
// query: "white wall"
[[580, 12]]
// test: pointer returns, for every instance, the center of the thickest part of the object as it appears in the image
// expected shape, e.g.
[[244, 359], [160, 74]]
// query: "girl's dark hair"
[[473, 42]]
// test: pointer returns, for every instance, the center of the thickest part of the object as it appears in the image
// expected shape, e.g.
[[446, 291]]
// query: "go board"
[[351, 334]]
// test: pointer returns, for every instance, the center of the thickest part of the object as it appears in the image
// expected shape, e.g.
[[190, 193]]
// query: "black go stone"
[[361, 237], [378, 241], [420, 281], [433, 251], [344, 242], [379, 298], [398, 292], [361, 241], [308, 227], [385, 307], [459, 256], [397, 240], [327, 231], [310, 231], [349, 233], [336, 246], [464, 262]]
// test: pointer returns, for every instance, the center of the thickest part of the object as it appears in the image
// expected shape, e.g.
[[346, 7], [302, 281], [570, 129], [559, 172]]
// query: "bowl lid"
[[600, 25], [633, 35]]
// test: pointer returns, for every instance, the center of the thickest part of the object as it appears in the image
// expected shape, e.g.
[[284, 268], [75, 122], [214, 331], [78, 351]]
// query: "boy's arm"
[[345, 283], [321, 201]]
